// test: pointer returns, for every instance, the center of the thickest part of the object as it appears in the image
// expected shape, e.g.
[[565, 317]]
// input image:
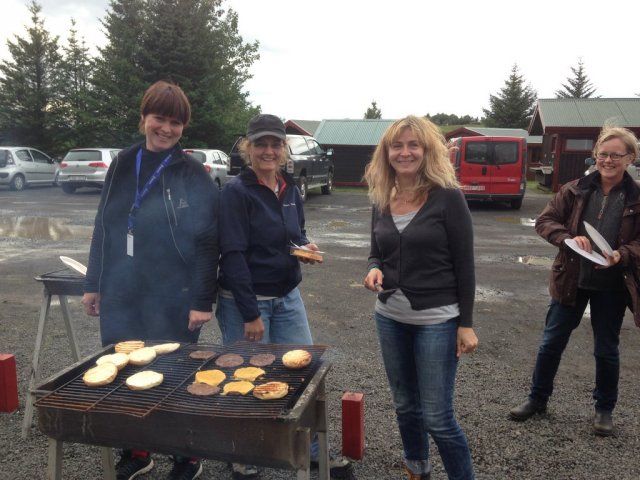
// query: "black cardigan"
[[431, 261]]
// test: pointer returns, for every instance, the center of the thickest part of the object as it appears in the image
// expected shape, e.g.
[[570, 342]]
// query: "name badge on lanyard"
[[140, 196]]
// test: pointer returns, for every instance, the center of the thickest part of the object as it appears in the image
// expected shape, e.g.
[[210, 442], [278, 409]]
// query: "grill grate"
[[179, 371]]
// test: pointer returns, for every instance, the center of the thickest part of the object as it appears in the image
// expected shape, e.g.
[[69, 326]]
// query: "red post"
[[353, 425], [8, 383]]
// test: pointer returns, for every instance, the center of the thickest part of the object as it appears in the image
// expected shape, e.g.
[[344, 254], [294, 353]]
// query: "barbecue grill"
[[167, 419], [61, 282]]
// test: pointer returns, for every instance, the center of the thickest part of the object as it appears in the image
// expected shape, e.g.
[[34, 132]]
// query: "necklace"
[[602, 207]]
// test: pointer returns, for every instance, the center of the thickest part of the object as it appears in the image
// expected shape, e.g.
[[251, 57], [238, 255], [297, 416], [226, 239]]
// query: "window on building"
[[578, 144]]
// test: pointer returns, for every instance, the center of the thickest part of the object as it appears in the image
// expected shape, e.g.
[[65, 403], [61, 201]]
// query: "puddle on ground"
[[535, 261], [42, 228], [530, 222]]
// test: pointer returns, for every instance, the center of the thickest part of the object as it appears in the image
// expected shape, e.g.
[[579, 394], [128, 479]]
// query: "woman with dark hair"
[[421, 266], [154, 252]]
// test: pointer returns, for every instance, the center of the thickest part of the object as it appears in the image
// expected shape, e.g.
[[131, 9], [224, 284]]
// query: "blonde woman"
[[261, 217], [609, 200], [421, 265]]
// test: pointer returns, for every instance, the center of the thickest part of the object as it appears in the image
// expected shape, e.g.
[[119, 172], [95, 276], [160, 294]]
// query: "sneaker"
[[339, 467], [129, 467], [244, 472], [185, 470]]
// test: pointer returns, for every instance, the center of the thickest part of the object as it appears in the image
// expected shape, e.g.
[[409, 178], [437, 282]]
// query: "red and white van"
[[491, 168]]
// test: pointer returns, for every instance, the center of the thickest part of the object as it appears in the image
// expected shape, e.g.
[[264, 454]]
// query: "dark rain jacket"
[[175, 235], [257, 230], [560, 220]]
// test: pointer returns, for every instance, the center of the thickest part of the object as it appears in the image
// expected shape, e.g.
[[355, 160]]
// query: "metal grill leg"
[[71, 334], [108, 465], [54, 468], [321, 427], [34, 376]]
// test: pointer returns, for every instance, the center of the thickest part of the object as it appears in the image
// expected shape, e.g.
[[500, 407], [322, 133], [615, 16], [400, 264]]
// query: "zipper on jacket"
[[173, 210]]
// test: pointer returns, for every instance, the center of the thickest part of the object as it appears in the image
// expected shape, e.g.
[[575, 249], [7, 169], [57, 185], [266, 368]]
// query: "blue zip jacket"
[[256, 231]]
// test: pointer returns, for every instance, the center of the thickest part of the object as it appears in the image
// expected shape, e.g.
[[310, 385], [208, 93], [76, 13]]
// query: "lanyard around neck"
[[140, 195]]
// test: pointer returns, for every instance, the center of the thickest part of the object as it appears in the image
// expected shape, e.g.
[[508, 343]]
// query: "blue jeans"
[[607, 313], [285, 321], [284, 318], [421, 365]]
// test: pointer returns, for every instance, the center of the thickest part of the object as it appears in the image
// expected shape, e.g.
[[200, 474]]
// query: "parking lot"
[[39, 224]]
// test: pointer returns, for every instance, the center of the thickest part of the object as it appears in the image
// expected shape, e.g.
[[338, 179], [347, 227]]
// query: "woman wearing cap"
[[261, 217]]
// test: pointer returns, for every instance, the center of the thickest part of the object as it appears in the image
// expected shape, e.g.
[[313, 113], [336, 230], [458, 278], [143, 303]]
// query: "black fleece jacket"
[[431, 261], [175, 234]]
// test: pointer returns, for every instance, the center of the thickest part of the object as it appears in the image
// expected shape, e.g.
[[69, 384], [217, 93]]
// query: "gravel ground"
[[512, 266]]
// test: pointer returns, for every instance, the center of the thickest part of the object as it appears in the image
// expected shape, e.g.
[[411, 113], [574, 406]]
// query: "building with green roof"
[[570, 128]]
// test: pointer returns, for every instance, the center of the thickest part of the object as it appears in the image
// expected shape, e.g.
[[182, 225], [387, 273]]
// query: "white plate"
[[599, 240], [593, 256], [71, 263]]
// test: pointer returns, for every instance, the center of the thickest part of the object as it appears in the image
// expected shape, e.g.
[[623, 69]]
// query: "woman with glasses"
[[261, 218], [609, 200]]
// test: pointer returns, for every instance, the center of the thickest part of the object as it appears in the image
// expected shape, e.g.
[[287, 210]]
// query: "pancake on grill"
[[262, 359], [296, 359], [165, 348], [237, 388], [202, 354], [144, 380], [202, 389], [229, 360], [271, 390], [129, 346], [248, 373], [120, 360], [100, 375], [142, 356], [210, 377]]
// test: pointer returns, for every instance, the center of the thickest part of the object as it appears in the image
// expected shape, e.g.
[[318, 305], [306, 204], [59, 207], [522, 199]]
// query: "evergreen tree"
[[77, 108], [513, 106], [26, 81], [373, 111], [578, 86], [118, 82]]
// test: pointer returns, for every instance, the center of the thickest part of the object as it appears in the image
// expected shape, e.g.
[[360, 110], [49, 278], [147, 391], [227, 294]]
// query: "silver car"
[[216, 162], [23, 166], [85, 167]]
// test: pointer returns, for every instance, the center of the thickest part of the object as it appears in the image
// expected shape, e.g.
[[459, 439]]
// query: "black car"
[[309, 164]]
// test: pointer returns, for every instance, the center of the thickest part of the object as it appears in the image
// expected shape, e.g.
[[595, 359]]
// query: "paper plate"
[[74, 265], [593, 256], [598, 239]]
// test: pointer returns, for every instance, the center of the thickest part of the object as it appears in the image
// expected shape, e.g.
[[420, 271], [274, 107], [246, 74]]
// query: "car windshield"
[[197, 155], [83, 156]]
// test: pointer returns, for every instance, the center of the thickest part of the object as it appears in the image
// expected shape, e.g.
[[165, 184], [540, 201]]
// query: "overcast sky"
[[331, 58]]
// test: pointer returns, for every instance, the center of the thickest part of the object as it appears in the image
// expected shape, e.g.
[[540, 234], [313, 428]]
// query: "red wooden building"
[[570, 128]]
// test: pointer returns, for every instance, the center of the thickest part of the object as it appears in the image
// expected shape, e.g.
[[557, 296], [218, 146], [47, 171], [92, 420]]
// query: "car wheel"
[[66, 188], [17, 183], [328, 188], [302, 185], [516, 204]]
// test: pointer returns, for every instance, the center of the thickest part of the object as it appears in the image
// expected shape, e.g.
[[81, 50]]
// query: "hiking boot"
[[603, 424], [527, 410], [339, 467], [129, 466], [244, 472], [185, 470], [415, 476]]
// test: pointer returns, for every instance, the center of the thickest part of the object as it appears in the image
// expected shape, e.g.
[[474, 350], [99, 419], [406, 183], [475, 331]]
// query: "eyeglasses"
[[613, 156], [264, 145]]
